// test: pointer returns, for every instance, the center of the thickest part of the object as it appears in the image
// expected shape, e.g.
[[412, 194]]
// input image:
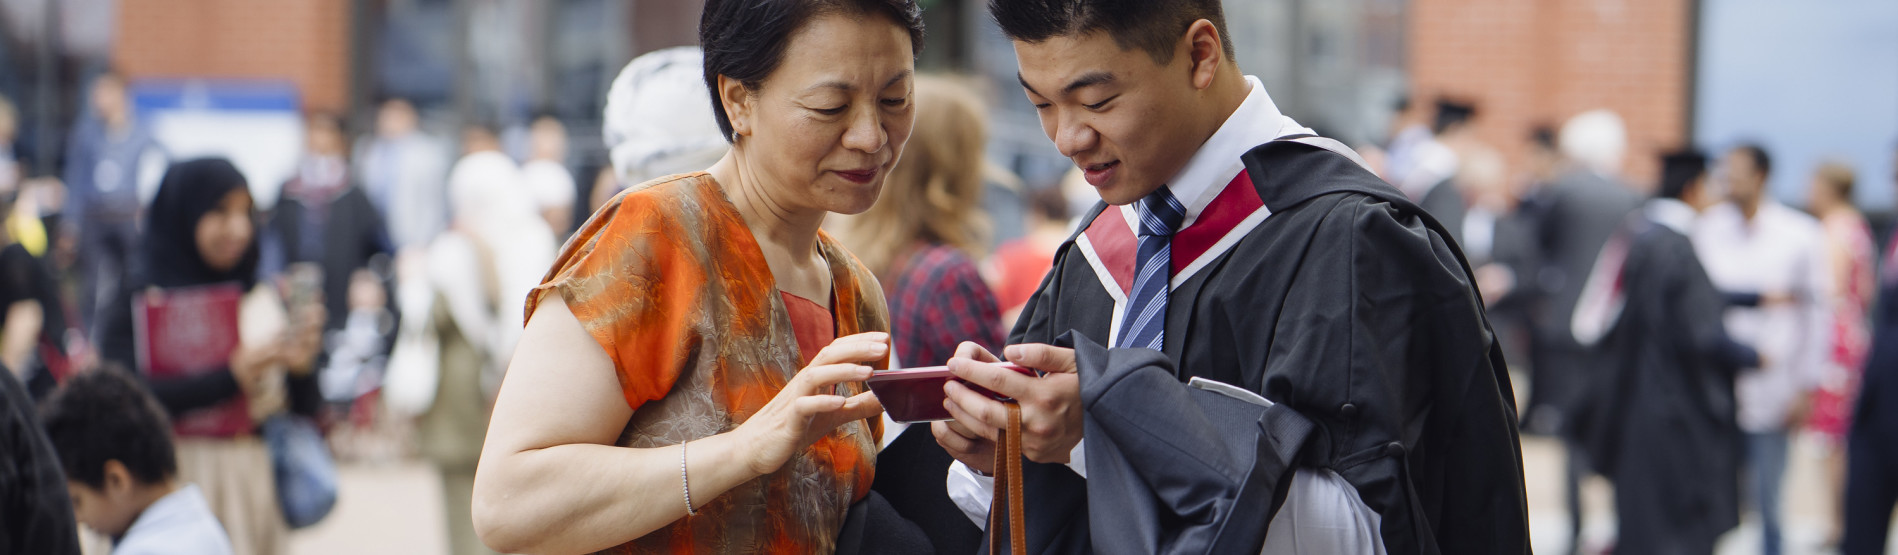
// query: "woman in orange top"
[[655, 403]]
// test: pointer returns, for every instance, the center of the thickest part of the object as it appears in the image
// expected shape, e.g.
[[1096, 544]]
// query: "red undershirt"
[[812, 323]]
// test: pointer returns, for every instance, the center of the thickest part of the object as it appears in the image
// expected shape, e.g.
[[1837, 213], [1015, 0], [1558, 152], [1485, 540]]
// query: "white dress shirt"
[[1778, 252], [176, 524]]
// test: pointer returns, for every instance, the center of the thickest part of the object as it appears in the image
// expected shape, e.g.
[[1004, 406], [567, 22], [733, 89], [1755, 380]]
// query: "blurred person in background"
[[34, 501], [921, 239], [33, 312], [33, 325], [1852, 255], [324, 218], [202, 233], [23, 222], [546, 174], [1574, 214], [657, 122], [1659, 420], [325, 223], [111, 162], [1484, 180], [402, 169], [1499, 236], [122, 468], [478, 271], [1871, 479], [1409, 132], [1433, 179], [606, 185], [1752, 244], [1016, 268], [680, 314]]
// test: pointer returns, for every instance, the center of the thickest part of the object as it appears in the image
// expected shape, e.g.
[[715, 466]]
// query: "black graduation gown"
[[1659, 418], [1345, 306], [1445, 203]]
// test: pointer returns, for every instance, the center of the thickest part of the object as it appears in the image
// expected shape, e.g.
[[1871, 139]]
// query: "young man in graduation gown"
[[1659, 419], [1232, 247]]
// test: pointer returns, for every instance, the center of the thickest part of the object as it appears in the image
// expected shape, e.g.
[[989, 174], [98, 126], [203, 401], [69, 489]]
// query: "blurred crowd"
[[1677, 335], [381, 295]]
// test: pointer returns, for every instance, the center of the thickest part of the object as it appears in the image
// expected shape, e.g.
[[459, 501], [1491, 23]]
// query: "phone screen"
[[915, 394]]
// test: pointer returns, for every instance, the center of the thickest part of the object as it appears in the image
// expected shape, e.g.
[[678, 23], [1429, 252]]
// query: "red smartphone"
[[915, 394]]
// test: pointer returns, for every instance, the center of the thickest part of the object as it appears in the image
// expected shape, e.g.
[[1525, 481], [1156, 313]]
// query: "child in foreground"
[[114, 443]]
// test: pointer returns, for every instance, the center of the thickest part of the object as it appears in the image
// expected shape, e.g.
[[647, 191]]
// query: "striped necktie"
[[1144, 324]]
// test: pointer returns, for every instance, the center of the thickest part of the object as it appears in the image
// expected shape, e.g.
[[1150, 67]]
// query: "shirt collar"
[[1255, 122], [1674, 214], [168, 510]]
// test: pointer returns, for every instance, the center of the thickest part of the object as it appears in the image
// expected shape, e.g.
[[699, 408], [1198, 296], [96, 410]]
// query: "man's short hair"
[[1757, 153], [106, 415], [1679, 169], [1151, 25]]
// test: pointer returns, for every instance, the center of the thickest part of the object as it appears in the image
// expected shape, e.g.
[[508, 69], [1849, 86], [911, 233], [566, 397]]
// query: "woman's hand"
[[250, 364], [806, 410]]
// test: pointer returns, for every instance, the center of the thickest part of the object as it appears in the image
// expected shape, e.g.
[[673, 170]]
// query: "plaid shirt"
[[938, 301]]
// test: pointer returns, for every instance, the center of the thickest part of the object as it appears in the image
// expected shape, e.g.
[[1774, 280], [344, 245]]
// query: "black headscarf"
[[169, 256]]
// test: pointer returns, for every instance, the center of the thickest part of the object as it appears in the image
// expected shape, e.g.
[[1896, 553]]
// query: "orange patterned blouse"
[[670, 281]]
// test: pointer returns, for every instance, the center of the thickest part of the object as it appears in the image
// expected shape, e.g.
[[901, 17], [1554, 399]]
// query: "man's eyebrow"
[[1024, 84], [1085, 81], [1089, 80]]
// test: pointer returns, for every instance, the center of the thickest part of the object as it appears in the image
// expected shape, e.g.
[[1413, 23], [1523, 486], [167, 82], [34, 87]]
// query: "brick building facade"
[[1530, 62], [304, 41]]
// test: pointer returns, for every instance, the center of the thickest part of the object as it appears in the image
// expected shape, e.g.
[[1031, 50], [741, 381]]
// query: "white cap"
[[659, 118]]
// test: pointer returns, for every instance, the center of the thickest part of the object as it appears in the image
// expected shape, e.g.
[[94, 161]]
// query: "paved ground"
[[394, 508]]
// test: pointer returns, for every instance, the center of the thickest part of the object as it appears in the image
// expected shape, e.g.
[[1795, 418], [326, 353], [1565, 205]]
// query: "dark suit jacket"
[[353, 233], [1573, 217]]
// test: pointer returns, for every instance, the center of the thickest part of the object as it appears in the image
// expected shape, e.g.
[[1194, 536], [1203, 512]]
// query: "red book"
[[190, 331]]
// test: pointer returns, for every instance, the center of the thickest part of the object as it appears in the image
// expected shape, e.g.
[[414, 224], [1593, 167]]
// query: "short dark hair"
[[106, 415], [745, 39], [1678, 170], [1151, 25], [1757, 153], [1452, 113]]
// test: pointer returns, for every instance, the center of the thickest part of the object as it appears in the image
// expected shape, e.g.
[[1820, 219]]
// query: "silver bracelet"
[[685, 483]]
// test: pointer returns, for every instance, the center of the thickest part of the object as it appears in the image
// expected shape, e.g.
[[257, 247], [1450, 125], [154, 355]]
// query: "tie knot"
[[1160, 213]]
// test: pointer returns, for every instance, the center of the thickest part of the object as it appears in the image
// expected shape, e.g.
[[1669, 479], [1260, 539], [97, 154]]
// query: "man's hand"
[[1050, 405], [973, 449]]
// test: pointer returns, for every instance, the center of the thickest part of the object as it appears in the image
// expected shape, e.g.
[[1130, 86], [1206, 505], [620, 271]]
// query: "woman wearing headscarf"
[[491, 256], [201, 233], [690, 377]]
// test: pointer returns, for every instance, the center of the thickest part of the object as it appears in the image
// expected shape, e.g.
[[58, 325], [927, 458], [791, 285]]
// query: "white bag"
[[414, 368]]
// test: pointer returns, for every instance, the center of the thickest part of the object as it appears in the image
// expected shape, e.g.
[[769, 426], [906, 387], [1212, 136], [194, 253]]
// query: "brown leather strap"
[[1008, 487]]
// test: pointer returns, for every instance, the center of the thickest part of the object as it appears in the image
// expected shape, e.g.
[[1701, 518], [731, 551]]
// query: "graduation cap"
[[1451, 113], [1680, 168]]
